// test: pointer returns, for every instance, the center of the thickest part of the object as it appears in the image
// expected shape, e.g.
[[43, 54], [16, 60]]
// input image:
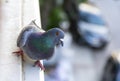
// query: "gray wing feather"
[[25, 33]]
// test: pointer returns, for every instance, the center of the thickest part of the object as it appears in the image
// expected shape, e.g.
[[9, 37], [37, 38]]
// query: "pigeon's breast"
[[37, 49]]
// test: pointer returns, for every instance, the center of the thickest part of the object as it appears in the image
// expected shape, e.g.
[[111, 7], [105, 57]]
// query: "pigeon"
[[38, 44]]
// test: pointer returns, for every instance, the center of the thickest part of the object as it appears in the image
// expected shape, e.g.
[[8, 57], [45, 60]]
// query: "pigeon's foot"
[[19, 53], [39, 64]]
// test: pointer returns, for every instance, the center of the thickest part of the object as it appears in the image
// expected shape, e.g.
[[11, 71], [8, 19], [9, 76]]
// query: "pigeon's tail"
[[33, 23]]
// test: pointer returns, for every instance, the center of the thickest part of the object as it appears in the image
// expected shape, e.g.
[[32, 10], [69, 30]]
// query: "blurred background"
[[91, 35]]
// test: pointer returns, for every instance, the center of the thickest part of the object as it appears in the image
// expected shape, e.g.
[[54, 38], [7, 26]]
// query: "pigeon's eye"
[[57, 33]]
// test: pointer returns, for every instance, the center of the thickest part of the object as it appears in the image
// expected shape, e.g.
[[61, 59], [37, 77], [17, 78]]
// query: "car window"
[[91, 18]]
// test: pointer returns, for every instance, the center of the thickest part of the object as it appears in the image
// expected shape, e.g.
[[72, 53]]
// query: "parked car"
[[92, 28]]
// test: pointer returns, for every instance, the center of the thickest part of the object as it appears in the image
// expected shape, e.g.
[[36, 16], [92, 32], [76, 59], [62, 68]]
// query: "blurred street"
[[80, 63], [88, 64]]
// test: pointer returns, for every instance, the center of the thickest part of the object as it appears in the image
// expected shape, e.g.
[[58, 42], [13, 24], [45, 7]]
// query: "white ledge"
[[14, 15]]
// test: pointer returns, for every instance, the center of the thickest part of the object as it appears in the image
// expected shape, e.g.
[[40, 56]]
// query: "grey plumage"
[[38, 44]]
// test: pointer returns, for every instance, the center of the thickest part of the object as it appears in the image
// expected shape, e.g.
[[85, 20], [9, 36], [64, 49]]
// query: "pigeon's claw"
[[39, 64], [18, 53]]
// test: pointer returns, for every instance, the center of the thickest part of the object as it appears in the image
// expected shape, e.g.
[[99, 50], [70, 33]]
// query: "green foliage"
[[81, 1], [56, 14], [42, 2], [55, 17]]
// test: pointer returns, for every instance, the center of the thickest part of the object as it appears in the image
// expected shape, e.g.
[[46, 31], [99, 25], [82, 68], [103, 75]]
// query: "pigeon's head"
[[57, 34]]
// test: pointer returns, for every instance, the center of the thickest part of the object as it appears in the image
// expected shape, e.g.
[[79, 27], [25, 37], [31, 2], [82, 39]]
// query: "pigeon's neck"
[[40, 43], [45, 41]]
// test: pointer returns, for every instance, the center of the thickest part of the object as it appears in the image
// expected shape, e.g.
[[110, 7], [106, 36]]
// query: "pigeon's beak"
[[61, 42]]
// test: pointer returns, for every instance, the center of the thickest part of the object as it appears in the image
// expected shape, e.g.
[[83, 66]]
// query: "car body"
[[91, 27]]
